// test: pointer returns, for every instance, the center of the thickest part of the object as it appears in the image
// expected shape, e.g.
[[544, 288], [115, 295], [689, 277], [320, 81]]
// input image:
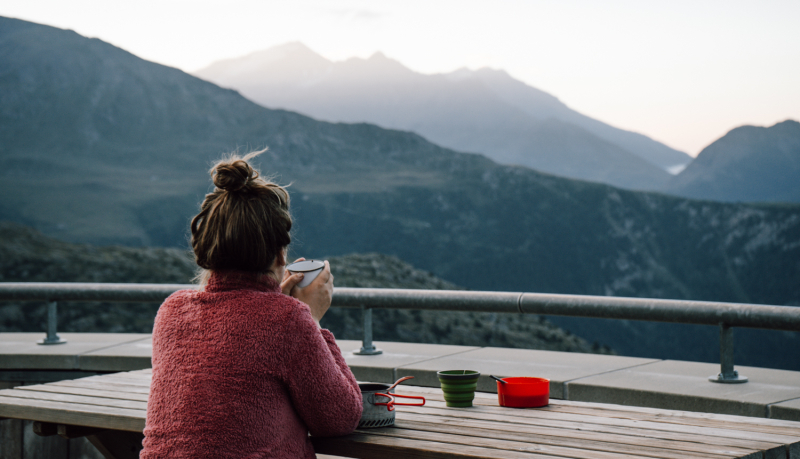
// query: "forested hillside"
[[28, 256]]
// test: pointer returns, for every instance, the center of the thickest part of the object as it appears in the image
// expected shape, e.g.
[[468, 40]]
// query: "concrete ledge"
[[788, 410], [125, 356], [685, 386], [558, 367], [583, 377], [396, 357], [82, 351]]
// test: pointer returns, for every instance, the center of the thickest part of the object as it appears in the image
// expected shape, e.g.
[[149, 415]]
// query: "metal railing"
[[724, 315]]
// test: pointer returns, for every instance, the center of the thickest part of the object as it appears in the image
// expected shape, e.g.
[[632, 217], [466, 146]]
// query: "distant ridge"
[[485, 111], [748, 164]]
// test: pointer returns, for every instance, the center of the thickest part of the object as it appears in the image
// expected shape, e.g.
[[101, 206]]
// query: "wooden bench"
[[110, 410]]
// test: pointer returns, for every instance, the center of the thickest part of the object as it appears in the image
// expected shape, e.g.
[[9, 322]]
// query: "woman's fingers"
[[326, 271], [290, 282], [318, 294]]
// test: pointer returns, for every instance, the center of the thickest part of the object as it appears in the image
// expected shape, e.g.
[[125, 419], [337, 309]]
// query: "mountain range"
[[489, 112], [484, 111], [99, 146]]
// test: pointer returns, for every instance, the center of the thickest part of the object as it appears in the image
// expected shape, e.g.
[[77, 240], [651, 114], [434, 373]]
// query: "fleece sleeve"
[[322, 388]]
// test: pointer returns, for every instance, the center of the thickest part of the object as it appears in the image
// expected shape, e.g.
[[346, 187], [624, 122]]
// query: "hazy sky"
[[682, 72]]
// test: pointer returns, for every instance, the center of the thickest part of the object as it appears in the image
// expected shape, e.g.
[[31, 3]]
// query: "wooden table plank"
[[376, 446], [77, 399], [512, 445], [444, 415], [138, 397], [72, 413], [600, 442], [122, 388], [139, 382], [524, 415], [691, 443], [489, 399], [668, 416]]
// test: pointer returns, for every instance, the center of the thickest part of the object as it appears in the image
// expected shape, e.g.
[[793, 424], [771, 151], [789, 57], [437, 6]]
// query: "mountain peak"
[[787, 124], [377, 64], [460, 74], [293, 54], [749, 163], [378, 56]]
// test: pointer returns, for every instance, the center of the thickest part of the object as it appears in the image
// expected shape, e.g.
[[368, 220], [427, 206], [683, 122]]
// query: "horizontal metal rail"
[[603, 307], [724, 315]]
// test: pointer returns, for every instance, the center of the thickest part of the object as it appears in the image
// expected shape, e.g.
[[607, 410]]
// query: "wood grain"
[[596, 422], [443, 416], [600, 442], [73, 414], [84, 391], [100, 385], [78, 399], [376, 446], [512, 445]]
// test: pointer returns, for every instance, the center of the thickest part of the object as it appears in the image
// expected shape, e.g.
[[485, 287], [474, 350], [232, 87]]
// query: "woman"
[[241, 367]]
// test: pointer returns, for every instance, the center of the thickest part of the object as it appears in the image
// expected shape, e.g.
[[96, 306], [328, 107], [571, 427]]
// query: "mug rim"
[[298, 267], [455, 375]]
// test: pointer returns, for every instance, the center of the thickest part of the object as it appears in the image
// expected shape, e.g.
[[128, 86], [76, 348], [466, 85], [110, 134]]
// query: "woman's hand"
[[290, 280], [318, 294]]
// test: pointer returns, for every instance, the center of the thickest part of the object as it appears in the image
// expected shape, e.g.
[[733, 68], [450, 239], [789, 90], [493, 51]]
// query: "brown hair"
[[244, 223]]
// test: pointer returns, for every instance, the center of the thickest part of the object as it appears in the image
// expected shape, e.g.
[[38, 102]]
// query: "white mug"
[[309, 268]]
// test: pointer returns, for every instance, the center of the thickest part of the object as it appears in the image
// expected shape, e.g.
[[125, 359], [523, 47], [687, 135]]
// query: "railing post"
[[367, 348], [727, 373], [52, 325]]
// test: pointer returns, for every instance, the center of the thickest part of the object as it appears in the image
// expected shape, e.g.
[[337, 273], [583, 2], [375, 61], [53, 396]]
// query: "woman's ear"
[[282, 256]]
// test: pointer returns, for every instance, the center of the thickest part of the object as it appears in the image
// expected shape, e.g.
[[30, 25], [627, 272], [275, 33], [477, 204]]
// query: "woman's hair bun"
[[233, 174]]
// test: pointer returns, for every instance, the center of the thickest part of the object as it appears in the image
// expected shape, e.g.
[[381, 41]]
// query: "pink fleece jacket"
[[241, 370]]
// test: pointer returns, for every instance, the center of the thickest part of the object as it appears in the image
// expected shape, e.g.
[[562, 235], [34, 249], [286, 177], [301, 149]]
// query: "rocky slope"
[[28, 256]]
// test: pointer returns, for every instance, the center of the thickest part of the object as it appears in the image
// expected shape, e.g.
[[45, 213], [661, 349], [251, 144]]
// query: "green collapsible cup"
[[458, 386]]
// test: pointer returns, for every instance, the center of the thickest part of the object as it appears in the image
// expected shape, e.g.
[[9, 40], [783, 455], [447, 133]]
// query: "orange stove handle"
[[390, 404], [409, 396]]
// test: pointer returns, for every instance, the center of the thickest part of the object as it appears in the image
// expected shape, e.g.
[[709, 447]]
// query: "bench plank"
[[112, 378], [511, 445], [737, 423], [122, 388], [72, 413], [78, 399], [689, 443], [601, 442], [363, 445], [489, 399], [525, 415], [83, 391], [752, 425], [445, 416]]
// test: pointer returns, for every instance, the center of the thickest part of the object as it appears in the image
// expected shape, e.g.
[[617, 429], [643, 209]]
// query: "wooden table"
[[110, 411]]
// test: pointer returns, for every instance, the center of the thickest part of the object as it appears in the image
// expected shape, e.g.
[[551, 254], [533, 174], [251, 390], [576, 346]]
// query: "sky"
[[681, 72]]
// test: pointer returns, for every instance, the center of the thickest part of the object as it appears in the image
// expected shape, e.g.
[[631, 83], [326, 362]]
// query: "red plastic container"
[[524, 392]]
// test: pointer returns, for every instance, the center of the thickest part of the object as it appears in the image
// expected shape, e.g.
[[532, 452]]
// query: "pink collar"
[[222, 281]]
